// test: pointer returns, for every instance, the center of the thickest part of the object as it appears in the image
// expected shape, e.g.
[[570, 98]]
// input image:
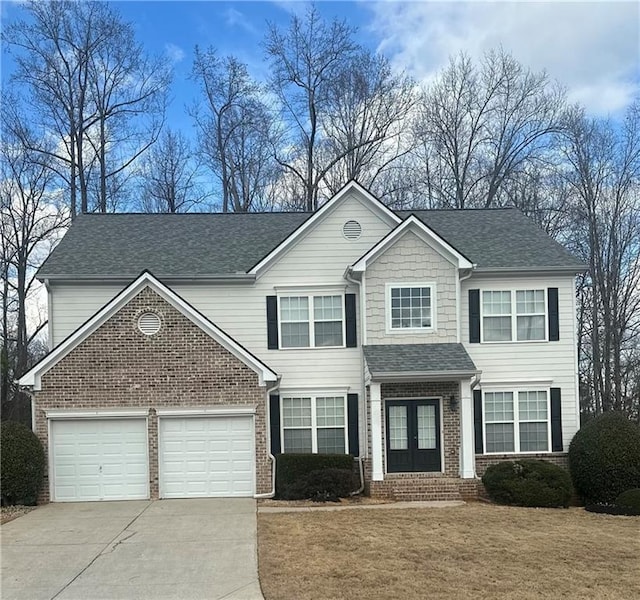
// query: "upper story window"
[[314, 424], [311, 321], [517, 421], [518, 315], [410, 306]]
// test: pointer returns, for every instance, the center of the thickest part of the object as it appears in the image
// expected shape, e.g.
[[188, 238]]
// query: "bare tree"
[[305, 61], [90, 86], [31, 222], [169, 178], [236, 131], [603, 170], [484, 125]]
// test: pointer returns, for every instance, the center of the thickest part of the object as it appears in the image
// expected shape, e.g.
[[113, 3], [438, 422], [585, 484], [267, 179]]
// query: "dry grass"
[[474, 551]]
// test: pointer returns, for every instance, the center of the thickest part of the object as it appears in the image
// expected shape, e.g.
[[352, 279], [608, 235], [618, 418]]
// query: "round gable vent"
[[351, 230], [149, 323]]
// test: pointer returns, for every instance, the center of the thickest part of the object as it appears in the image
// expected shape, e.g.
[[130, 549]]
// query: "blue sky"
[[593, 48]]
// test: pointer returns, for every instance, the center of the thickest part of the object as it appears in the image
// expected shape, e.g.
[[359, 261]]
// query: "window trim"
[[514, 315], [516, 421], [310, 295], [410, 330], [314, 417]]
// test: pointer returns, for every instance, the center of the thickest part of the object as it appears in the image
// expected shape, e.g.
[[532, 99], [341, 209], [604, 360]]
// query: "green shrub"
[[22, 464], [604, 458], [630, 499], [291, 467], [528, 483], [323, 485]]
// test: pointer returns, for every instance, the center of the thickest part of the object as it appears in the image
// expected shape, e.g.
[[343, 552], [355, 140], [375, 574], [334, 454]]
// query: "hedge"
[[22, 464], [293, 468]]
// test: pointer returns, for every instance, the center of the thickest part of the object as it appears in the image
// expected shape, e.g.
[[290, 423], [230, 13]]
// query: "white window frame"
[[410, 284], [514, 316], [314, 418], [311, 299], [516, 419]]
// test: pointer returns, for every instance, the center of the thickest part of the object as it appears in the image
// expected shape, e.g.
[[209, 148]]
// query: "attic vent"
[[351, 230], [149, 323]]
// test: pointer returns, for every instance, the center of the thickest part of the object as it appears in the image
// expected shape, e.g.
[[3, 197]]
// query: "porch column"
[[376, 432], [467, 444]]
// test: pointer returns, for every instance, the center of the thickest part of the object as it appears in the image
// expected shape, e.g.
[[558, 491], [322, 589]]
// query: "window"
[[410, 307], [314, 424], [516, 426], [529, 308], [311, 321]]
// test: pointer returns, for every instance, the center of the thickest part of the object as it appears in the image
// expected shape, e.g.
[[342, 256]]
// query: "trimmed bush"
[[294, 468], [604, 458], [22, 464], [535, 483], [323, 485], [630, 499]]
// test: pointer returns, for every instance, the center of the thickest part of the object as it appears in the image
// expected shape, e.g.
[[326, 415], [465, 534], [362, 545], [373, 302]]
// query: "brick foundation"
[[483, 460], [181, 366]]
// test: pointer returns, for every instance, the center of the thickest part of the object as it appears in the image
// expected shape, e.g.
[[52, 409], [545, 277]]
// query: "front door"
[[413, 435]]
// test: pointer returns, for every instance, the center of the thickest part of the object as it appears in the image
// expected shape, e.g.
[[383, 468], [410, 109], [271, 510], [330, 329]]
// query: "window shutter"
[[272, 322], [352, 419], [274, 420], [556, 420], [554, 321], [477, 420], [350, 320], [474, 316]]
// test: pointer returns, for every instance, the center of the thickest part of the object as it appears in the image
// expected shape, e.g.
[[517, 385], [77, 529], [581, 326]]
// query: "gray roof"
[[417, 358], [124, 245]]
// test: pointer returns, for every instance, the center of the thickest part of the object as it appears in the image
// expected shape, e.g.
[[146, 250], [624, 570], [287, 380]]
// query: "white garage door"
[[99, 459], [206, 456]]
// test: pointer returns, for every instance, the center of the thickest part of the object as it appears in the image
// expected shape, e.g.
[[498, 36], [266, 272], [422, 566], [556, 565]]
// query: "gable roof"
[[234, 245], [32, 378], [399, 361], [413, 224]]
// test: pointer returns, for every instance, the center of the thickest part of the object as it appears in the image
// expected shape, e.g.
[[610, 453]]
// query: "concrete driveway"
[[187, 549]]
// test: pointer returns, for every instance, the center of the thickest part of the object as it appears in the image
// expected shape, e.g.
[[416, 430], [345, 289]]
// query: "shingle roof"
[[417, 358], [218, 244]]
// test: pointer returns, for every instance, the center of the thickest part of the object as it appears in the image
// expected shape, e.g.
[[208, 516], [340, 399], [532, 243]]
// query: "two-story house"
[[188, 350]]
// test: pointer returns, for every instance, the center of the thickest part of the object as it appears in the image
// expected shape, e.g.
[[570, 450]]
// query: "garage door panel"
[[99, 459], [206, 456]]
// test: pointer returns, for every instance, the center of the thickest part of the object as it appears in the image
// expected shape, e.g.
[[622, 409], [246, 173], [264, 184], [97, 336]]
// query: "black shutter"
[[350, 318], [474, 316], [352, 419], [274, 421], [477, 420], [556, 420], [554, 321], [272, 322]]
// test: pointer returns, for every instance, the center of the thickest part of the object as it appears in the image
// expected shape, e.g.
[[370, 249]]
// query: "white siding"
[[410, 260], [519, 362]]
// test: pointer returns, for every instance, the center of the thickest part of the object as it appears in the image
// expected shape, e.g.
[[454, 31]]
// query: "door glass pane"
[[398, 428], [426, 427]]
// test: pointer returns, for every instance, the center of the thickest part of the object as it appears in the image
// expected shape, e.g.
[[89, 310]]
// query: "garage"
[[99, 459], [206, 456]]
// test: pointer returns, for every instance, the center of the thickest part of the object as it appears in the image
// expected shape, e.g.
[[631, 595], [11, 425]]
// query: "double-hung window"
[[311, 321], [410, 307], [518, 315], [314, 424], [516, 421]]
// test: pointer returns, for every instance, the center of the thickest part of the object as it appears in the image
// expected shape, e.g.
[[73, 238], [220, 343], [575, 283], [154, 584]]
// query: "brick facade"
[[181, 366], [483, 460]]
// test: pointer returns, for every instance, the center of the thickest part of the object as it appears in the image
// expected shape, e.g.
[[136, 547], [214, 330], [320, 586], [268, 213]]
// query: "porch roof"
[[418, 361]]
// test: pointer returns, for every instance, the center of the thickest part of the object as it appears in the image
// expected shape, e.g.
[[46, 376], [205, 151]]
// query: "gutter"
[[541, 270], [392, 376], [272, 458], [126, 278]]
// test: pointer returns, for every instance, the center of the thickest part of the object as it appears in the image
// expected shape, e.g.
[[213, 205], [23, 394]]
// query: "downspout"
[[272, 458], [359, 459]]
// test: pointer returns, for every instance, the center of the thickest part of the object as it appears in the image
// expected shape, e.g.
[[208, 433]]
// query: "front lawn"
[[475, 551]]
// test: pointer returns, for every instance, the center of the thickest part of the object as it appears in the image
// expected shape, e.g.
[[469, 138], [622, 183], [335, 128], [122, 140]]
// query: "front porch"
[[420, 423]]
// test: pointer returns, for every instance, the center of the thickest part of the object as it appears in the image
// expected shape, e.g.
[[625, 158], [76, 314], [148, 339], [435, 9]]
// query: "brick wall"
[[181, 366], [483, 461]]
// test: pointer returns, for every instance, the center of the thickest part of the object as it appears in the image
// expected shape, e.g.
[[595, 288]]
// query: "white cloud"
[[174, 53], [236, 18], [592, 48]]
